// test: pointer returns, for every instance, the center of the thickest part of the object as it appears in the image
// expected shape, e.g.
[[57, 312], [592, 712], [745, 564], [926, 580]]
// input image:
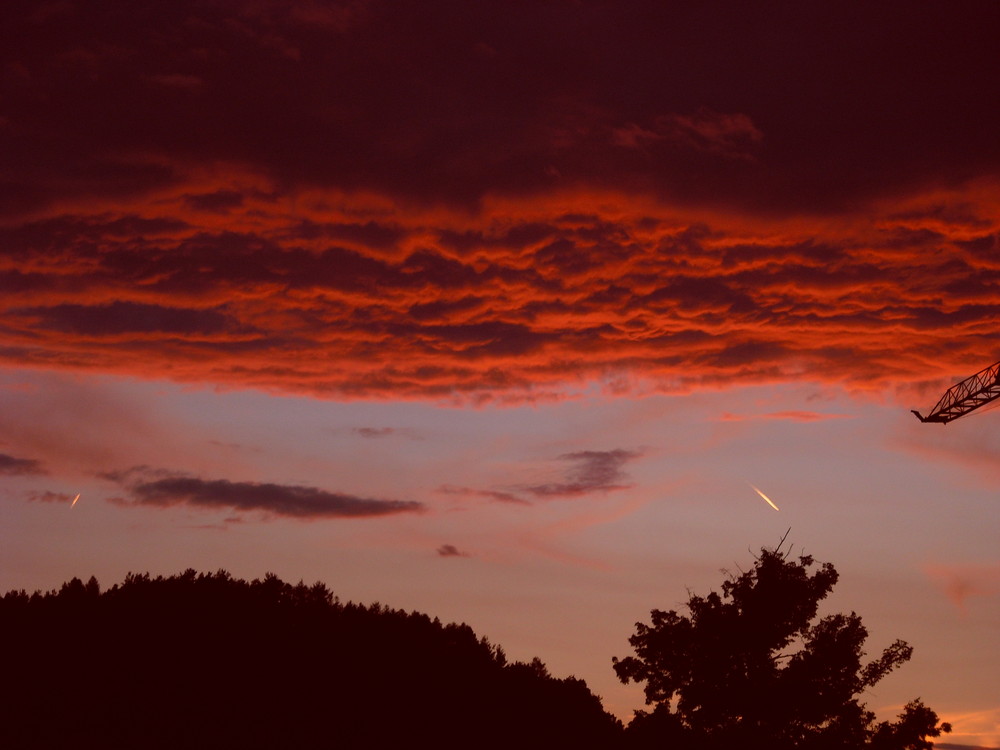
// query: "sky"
[[500, 311]]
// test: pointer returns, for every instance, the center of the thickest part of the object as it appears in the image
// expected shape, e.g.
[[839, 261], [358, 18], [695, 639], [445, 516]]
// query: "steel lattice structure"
[[973, 392]]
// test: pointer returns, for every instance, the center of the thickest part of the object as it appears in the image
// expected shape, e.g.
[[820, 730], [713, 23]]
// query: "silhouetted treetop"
[[753, 667]]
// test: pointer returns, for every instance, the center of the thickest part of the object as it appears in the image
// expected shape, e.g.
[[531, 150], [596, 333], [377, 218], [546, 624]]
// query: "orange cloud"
[[973, 730], [491, 307], [961, 582]]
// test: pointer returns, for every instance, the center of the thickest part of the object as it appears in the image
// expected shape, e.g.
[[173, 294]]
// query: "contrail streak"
[[766, 498], [74, 500]]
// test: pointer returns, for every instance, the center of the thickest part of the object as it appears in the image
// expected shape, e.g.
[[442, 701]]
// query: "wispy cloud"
[[450, 550], [791, 415], [375, 433], [590, 471], [978, 729], [583, 473], [975, 447], [496, 495], [960, 582], [50, 497], [732, 136]]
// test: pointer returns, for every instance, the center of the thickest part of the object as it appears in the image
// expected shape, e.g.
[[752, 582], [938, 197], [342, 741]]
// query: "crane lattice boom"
[[973, 392]]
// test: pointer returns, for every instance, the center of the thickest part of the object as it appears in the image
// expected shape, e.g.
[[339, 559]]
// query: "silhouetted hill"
[[209, 661]]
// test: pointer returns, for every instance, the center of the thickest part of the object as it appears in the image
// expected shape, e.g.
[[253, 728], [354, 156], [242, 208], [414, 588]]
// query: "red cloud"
[[519, 302], [475, 219]]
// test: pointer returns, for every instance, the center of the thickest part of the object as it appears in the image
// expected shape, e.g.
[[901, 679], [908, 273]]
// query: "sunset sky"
[[501, 310]]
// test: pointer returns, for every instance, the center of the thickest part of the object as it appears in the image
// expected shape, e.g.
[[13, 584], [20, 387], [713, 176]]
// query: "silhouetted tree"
[[753, 668]]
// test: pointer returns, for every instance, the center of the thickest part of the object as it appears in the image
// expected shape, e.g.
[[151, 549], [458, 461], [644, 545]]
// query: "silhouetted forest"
[[209, 661]]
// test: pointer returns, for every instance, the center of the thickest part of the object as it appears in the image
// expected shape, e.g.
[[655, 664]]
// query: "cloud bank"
[[157, 488], [474, 219]]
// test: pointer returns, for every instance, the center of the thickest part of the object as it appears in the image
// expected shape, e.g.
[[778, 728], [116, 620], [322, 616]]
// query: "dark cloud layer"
[[13, 466], [451, 100], [161, 489], [485, 202], [125, 317]]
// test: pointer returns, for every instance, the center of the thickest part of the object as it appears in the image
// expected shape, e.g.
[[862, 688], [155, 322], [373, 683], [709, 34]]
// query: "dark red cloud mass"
[[496, 201]]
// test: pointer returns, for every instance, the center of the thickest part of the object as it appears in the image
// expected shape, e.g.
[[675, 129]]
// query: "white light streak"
[[766, 498]]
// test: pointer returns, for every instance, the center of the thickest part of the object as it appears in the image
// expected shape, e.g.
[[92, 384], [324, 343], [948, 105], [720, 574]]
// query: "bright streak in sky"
[[74, 500], [766, 498]]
